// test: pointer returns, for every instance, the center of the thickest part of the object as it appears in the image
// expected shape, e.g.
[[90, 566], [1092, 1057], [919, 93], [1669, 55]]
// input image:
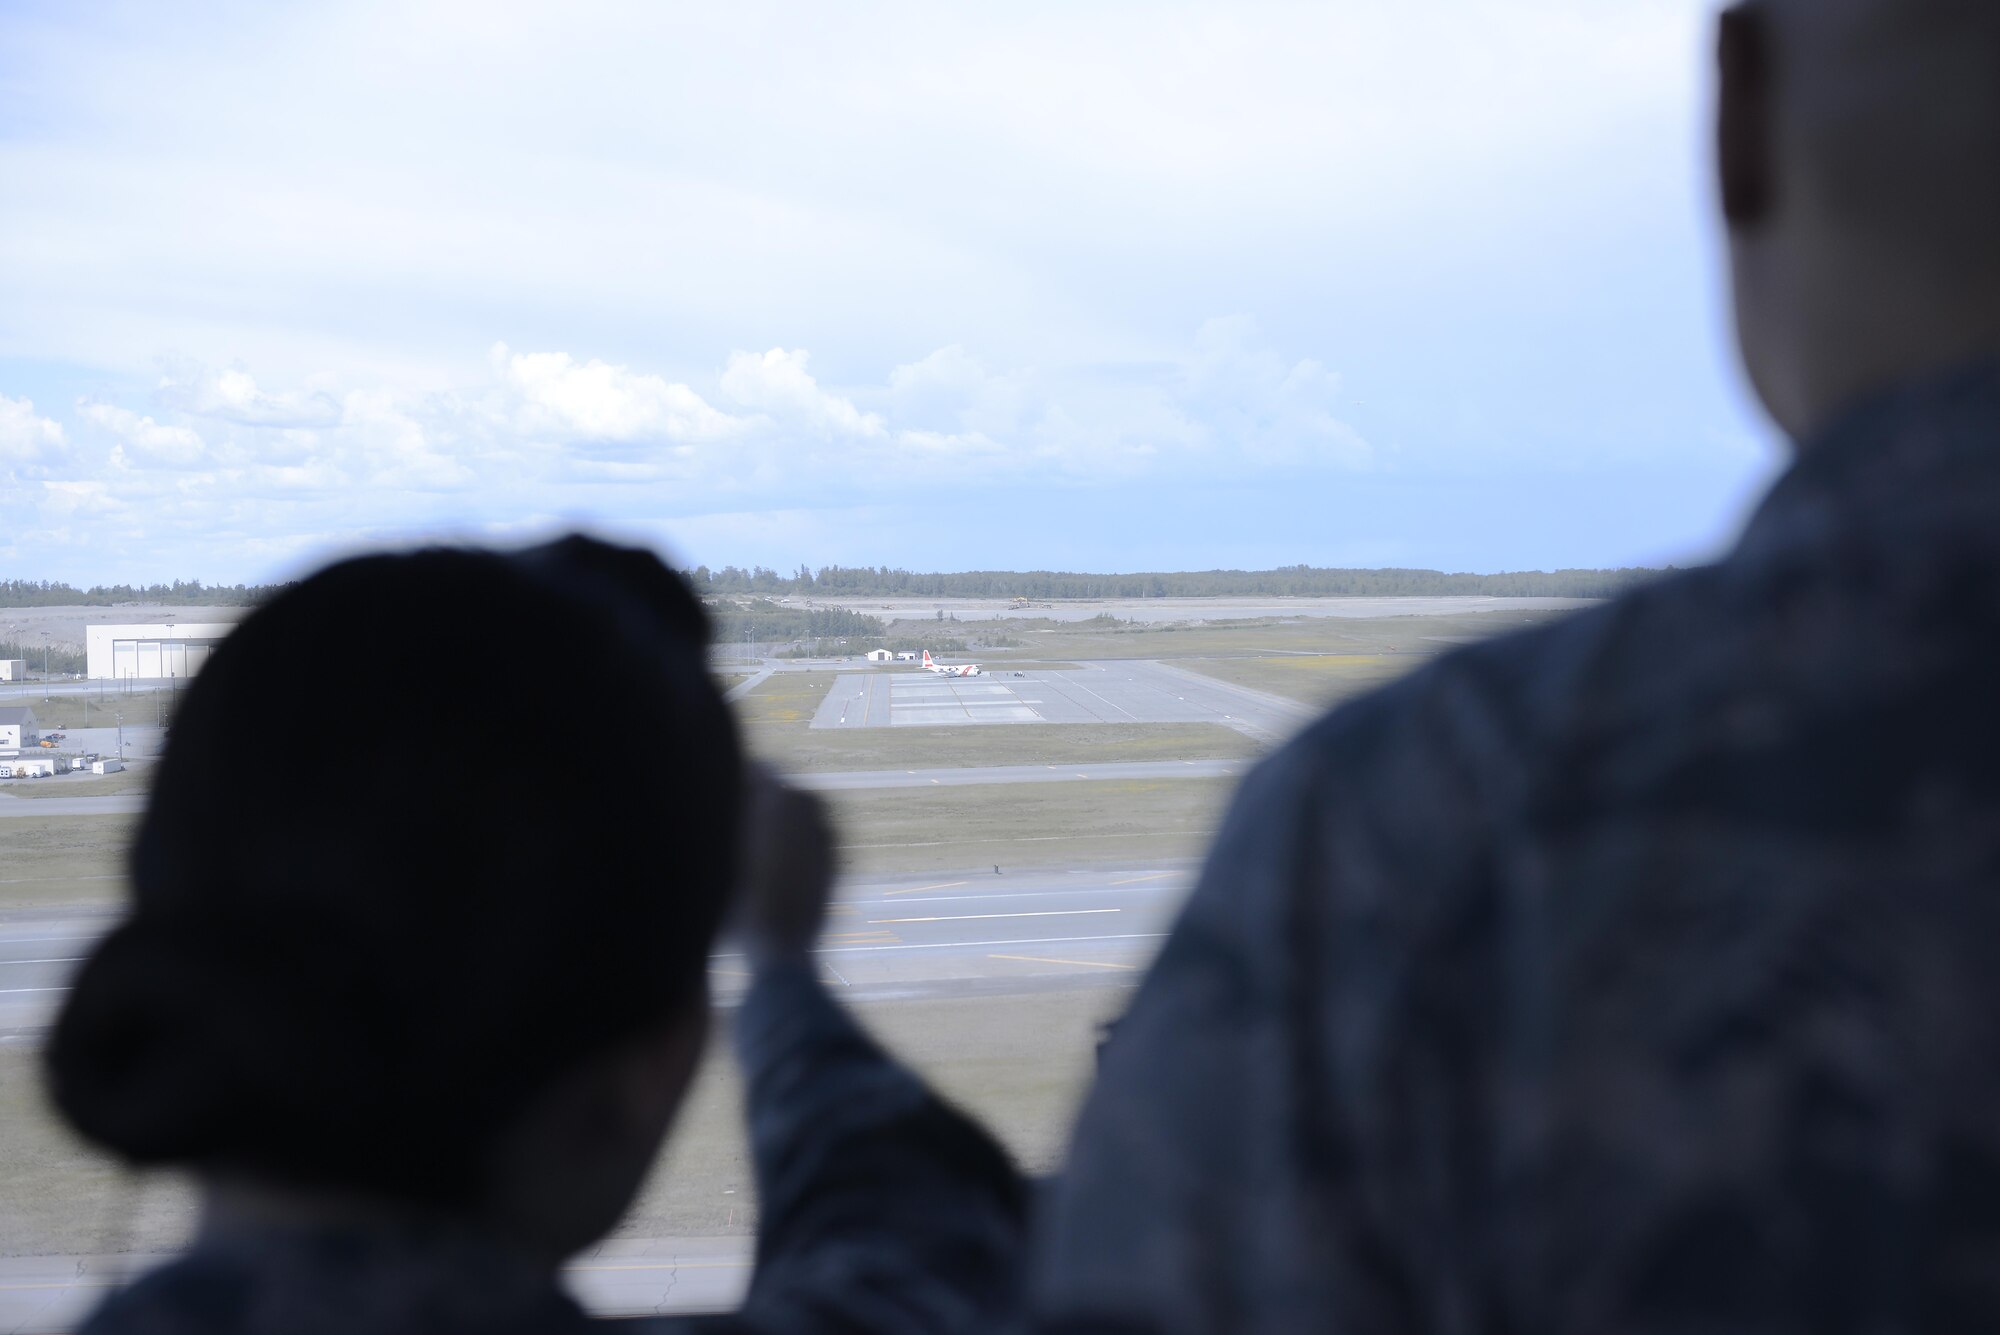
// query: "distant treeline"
[[882, 582], [181, 593], [756, 621], [54, 657], [1289, 582]]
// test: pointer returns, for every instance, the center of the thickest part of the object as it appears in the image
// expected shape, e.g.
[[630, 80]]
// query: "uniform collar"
[[1924, 453]]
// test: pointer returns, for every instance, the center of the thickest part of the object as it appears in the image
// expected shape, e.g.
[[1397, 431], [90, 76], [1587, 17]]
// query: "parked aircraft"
[[949, 669]]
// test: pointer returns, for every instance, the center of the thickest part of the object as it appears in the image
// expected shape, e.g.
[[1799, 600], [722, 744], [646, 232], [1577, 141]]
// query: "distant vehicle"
[[1017, 674], [949, 669], [49, 742]]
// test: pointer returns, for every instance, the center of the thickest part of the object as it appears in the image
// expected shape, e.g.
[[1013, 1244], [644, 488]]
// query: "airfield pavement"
[[887, 938], [46, 1295], [1117, 691], [1058, 945]]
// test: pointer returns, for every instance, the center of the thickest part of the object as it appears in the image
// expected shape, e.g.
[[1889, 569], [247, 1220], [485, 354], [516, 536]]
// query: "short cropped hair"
[[1894, 106], [430, 829]]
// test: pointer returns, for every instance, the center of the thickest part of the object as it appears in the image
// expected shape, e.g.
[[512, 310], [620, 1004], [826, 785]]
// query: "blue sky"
[[1107, 286]]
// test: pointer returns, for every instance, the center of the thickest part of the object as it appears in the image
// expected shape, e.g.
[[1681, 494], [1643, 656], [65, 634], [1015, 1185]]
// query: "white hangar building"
[[170, 649], [17, 730]]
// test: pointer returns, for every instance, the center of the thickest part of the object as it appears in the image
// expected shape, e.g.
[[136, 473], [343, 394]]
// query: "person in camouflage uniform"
[[1640, 972]]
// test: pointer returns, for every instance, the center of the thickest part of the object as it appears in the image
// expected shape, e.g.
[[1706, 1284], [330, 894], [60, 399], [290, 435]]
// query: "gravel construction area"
[[64, 625]]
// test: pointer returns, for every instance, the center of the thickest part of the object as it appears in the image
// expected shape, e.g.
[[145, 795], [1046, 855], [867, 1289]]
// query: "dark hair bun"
[[141, 1058]]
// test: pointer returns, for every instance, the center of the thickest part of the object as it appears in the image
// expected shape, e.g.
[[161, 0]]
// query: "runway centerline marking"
[[971, 917], [1035, 839], [961, 945], [658, 1265], [1046, 959], [72, 959], [1150, 876], [1024, 894], [943, 885]]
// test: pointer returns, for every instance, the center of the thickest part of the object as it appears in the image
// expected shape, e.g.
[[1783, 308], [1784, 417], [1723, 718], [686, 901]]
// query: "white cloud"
[[233, 396], [27, 440], [70, 500], [143, 442], [597, 401], [995, 229], [951, 391], [778, 384], [548, 432], [1270, 409], [383, 444]]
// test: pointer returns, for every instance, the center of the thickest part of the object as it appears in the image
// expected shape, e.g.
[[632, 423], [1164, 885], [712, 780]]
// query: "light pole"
[[121, 737], [45, 667]]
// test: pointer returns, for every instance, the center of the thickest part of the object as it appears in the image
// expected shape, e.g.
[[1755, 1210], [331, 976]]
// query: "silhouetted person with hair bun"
[[419, 1020]]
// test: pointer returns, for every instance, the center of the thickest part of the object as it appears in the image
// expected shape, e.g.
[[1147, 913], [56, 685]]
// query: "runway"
[[43, 1295], [887, 938], [1121, 691]]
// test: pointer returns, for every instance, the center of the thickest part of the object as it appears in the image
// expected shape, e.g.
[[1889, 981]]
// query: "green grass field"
[[1021, 1063], [144, 705], [1029, 825], [80, 859], [783, 698], [63, 1198], [133, 780], [62, 859], [796, 747]]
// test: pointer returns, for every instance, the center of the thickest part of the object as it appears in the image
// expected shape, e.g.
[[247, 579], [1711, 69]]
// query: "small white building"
[[13, 669], [17, 730], [880, 656], [162, 650], [906, 657]]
